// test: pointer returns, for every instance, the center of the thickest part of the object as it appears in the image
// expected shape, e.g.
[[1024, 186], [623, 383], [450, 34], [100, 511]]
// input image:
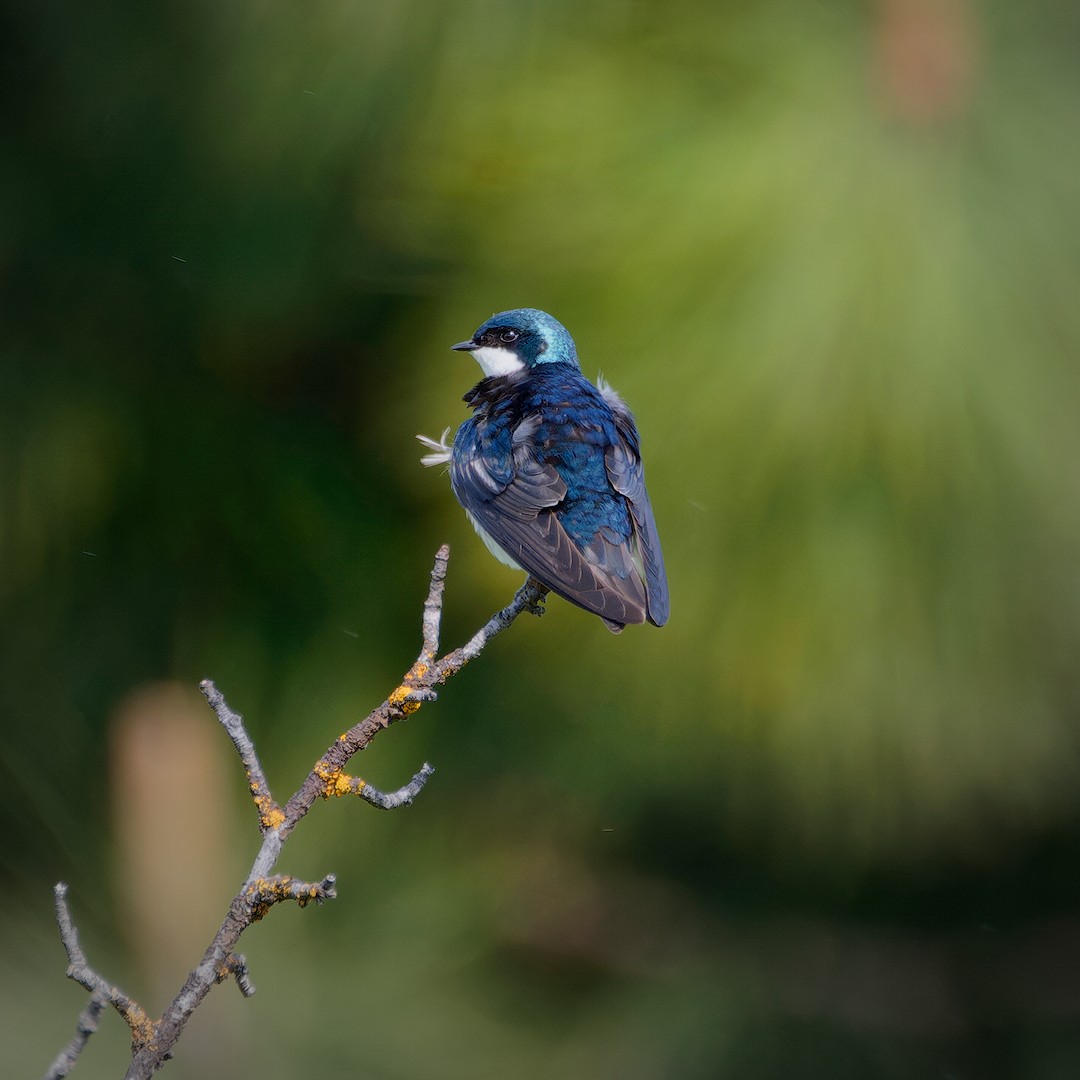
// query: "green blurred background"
[[826, 823]]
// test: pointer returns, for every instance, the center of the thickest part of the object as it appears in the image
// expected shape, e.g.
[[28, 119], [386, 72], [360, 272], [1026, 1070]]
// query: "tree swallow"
[[549, 472]]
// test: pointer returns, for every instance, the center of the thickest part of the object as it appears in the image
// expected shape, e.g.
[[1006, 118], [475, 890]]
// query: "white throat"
[[496, 361]]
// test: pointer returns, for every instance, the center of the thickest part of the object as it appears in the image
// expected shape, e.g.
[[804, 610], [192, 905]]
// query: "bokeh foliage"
[[830, 254]]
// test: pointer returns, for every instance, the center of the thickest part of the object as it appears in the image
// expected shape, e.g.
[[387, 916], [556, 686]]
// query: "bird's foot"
[[535, 603]]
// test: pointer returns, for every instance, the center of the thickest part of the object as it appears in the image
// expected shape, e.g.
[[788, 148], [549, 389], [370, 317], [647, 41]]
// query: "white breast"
[[492, 546]]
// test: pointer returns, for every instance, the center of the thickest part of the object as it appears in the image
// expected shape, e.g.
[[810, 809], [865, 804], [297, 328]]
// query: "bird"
[[548, 469]]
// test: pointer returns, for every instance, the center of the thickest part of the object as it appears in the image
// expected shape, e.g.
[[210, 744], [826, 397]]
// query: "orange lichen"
[[335, 782], [312, 894], [402, 699], [270, 814], [263, 893], [143, 1029], [342, 785]]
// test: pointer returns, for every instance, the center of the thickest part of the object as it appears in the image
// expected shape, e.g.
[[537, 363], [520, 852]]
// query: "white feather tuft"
[[609, 394], [440, 451]]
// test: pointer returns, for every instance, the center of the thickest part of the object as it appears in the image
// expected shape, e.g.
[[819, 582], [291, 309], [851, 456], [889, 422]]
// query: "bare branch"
[[152, 1041], [337, 784], [417, 687], [85, 1026], [269, 812], [236, 967], [432, 621], [530, 598], [403, 796], [263, 893], [81, 972]]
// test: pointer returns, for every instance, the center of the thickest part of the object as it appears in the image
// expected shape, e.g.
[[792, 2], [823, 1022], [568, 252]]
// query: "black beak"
[[464, 346]]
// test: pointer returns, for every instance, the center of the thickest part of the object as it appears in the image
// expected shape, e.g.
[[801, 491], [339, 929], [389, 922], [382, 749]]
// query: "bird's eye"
[[509, 336]]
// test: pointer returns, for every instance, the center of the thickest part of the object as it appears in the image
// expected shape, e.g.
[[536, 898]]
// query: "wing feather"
[[516, 507], [627, 475]]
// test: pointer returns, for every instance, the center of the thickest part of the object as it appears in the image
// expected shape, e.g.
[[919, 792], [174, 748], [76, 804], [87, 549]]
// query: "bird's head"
[[518, 339]]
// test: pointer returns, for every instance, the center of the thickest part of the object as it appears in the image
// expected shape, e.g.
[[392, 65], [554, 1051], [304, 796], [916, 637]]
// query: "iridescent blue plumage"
[[549, 471]]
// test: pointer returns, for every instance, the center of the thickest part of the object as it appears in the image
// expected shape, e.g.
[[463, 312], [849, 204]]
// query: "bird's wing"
[[513, 499], [627, 475]]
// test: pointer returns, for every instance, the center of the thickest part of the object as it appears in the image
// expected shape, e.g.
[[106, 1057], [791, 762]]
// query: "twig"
[[152, 1041], [530, 597], [263, 893], [270, 814], [85, 1026], [402, 797], [236, 966], [81, 972]]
